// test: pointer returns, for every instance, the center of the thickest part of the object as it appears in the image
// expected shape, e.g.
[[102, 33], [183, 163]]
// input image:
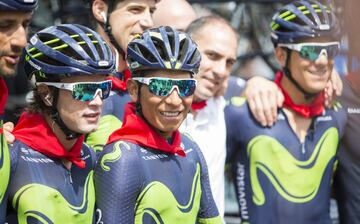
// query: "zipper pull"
[[70, 177], [303, 148]]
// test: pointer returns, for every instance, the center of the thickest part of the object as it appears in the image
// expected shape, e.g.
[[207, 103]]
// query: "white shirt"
[[209, 132]]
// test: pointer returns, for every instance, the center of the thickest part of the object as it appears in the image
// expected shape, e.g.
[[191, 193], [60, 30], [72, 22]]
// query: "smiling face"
[[217, 44], [131, 17], [13, 32], [78, 116], [165, 114], [311, 75]]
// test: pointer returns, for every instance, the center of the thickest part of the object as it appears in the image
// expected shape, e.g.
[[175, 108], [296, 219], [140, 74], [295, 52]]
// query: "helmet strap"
[[288, 74], [55, 116], [137, 103]]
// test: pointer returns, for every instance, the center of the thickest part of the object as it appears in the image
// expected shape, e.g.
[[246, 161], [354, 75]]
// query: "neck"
[[121, 63], [67, 144], [295, 94]]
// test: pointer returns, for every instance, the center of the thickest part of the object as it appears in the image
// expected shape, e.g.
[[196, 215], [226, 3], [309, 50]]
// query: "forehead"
[[150, 3], [168, 74], [83, 78], [317, 40], [217, 37], [15, 16]]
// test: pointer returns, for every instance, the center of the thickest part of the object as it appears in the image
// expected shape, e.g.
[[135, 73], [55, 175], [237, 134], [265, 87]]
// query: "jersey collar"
[[136, 130], [33, 130]]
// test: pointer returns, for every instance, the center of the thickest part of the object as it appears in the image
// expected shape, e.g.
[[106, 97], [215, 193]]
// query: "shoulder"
[[338, 114], [235, 87], [238, 111], [117, 151]]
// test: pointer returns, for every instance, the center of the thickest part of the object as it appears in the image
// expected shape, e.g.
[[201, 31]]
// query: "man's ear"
[[281, 54], [45, 94], [132, 87], [99, 10]]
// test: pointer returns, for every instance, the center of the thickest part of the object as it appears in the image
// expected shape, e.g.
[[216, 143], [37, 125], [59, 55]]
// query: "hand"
[[8, 127], [264, 97], [333, 88]]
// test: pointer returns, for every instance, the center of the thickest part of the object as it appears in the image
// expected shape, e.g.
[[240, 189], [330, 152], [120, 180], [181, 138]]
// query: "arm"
[[117, 184], [208, 213], [4, 174], [264, 97]]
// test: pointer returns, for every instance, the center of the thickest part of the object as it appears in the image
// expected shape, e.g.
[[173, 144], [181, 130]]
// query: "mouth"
[[92, 116], [12, 59], [170, 113]]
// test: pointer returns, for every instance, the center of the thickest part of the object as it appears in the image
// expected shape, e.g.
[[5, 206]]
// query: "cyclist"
[[51, 167], [149, 172], [118, 22], [15, 17], [284, 173]]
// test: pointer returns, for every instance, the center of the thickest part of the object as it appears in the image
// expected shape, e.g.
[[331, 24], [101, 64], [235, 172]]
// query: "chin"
[[86, 129]]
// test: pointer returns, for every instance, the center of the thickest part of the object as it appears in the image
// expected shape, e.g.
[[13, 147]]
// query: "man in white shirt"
[[217, 42]]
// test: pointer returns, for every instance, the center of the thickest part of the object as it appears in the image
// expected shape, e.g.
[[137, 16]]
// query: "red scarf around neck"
[[136, 130], [119, 83], [198, 105], [3, 96], [354, 80], [33, 130], [307, 111]]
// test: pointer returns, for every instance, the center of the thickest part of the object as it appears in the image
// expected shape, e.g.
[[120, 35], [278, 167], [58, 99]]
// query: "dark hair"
[[37, 104]]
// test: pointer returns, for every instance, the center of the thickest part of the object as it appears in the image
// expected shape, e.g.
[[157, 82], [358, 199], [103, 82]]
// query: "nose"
[[18, 38], [97, 101], [220, 70], [146, 21], [322, 59], [173, 98]]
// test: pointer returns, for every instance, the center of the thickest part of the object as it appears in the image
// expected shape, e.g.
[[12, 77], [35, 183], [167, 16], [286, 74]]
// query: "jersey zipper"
[[70, 176]]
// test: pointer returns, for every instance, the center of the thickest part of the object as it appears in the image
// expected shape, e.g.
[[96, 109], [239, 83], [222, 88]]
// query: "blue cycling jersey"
[[42, 190], [137, 184], [279, 179]]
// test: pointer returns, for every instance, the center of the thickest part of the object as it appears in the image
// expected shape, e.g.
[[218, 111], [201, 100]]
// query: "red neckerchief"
[[135, 129], [198, 105], [3, 95], [120, 84], [33, 130], [307, 111], [354, 80]]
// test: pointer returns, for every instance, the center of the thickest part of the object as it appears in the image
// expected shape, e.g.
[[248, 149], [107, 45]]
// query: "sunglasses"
[[84, 91], [312, 51], [165, 86]]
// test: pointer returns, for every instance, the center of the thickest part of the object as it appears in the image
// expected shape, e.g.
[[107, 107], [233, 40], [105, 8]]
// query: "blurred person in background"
[[118, 22]]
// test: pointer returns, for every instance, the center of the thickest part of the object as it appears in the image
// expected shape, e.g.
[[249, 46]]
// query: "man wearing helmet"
[[15, 17], [51, 167], [118, 21], [283, 173], [148, 172]]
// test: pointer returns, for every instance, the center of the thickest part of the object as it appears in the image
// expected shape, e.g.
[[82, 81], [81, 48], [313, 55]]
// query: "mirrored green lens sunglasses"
[[312, 51], [84, 91], [164, 86]]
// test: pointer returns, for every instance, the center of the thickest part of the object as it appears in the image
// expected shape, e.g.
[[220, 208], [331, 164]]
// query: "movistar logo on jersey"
[[295, 180], [158, 202], [114, 155], [48, 205]]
